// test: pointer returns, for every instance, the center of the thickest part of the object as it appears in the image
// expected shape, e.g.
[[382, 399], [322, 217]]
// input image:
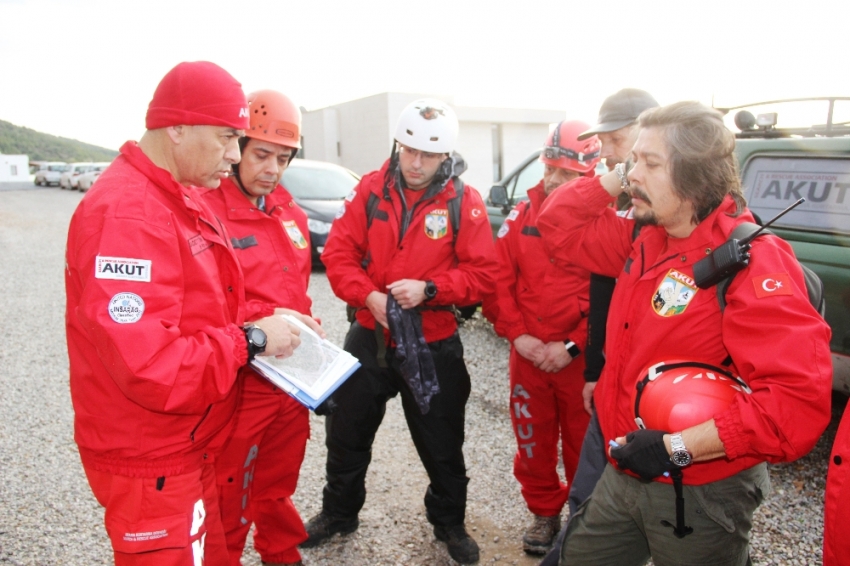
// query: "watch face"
[[430, 290], [681, 458], [257, 338]]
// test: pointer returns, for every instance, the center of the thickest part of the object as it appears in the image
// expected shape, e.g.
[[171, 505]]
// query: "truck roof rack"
[[764, 126]]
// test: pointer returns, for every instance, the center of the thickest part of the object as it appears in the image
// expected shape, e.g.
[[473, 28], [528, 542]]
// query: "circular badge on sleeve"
[[126, 308]]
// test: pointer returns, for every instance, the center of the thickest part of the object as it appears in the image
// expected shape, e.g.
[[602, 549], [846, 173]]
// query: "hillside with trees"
[[17, 140]]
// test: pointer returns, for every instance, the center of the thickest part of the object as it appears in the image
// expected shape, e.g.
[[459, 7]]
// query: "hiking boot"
[[323, 526], [538, 538], [462, 547]]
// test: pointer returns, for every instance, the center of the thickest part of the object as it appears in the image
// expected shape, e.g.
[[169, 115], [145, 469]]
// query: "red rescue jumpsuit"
[[155, 305], [549, 301], [836, 518], [258, 469]]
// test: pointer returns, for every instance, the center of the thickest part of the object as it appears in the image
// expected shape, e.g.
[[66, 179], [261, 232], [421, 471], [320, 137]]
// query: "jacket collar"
[[710, 233], [431, 191], [537, 194], [160, 177], [239, 207]]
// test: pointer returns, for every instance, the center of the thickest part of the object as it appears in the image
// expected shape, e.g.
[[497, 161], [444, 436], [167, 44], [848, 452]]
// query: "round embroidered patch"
[[126, 308]]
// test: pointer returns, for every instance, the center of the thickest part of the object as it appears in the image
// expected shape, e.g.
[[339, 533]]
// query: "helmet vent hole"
[[434, 138], [409, 133]]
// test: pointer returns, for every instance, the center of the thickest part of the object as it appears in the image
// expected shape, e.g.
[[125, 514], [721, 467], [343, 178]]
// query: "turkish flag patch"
[[772, 284]]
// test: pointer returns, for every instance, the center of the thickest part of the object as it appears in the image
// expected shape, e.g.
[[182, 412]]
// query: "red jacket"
[[273, 248], [155, 306], [534, 295], [463, 272], [778, 342], [836, 518]]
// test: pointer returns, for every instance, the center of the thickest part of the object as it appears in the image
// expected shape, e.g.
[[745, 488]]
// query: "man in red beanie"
[[155, 323]]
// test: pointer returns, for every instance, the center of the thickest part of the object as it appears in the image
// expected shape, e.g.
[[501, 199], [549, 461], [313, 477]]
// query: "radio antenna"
[[755, 234]]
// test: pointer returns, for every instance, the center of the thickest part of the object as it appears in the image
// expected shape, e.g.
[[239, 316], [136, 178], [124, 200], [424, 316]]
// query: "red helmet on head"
[[564, 150], [274, 118], [675, 395]]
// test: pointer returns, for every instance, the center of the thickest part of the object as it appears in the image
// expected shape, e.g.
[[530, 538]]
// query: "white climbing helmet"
[[428, 125]]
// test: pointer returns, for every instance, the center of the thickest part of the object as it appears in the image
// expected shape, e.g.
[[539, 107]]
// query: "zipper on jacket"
[[200, 422]]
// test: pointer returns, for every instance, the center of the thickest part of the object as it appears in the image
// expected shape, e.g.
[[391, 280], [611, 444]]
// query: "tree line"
[[17, 140]]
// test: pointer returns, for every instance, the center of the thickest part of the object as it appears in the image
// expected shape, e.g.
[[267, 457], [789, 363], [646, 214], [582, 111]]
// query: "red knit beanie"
[[198, 94]]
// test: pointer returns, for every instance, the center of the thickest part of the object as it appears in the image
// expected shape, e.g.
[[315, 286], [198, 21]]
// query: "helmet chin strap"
[[261, 200]]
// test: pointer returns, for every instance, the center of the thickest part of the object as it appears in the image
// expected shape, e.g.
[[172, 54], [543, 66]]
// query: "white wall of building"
[[475, 144], [519, 140], [358, 134], [14, 168]]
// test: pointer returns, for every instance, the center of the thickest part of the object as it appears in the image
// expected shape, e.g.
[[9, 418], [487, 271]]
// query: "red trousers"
[[258, 471], [836, 520], [545, 408], [169, 521]]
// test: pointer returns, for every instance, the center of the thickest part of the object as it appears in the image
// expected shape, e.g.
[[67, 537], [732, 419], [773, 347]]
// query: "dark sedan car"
[[320, 189]]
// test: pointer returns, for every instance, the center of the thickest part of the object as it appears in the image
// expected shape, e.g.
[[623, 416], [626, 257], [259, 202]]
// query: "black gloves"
[[327, 407], [644, 454]]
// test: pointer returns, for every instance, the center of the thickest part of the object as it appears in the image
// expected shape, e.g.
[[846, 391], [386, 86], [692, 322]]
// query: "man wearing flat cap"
[[155, 324], [617, 130]]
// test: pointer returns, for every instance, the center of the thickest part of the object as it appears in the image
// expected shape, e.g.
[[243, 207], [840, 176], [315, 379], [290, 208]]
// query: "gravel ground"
[[49, 516]]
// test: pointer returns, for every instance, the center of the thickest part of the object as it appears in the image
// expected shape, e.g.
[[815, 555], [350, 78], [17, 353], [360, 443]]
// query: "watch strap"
[[622, 174], [571, 347], [680, 454]]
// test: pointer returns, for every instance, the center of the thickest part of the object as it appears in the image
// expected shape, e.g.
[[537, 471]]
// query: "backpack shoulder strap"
[[371, 208], [454, 207]]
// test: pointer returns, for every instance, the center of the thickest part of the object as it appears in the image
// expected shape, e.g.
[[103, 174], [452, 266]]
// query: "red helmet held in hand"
[[675, 395]]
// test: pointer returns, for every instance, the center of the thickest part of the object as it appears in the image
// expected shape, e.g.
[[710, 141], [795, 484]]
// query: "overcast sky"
[[86, 69]]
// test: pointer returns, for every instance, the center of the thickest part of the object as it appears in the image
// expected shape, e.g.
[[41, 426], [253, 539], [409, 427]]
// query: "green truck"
[[779, 164]]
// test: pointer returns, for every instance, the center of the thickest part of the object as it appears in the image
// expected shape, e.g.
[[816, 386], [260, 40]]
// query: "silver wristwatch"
[[622, 174], [680, 456]]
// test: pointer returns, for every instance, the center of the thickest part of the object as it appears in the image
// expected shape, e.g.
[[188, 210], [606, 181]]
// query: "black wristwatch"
[[256, 339], [430, 290], [571, 347]]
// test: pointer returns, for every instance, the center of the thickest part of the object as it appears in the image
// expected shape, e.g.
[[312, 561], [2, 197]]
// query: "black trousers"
[[438, 435]]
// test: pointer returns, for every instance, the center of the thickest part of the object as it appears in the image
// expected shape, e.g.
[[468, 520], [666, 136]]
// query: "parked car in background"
[[50, 173], [72, 172], [517, 183], [87, 179], [320, 189]]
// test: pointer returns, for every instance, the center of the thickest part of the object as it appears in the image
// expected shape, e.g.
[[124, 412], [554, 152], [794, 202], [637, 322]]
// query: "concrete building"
[[358, 134], [14, 168]]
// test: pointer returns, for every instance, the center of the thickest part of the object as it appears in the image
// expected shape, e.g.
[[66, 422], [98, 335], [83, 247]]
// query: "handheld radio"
[[731, 257]]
